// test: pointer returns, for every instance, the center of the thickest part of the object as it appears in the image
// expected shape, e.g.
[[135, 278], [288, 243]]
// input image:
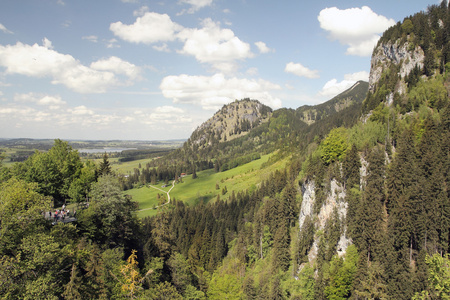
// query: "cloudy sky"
[[155, 70]]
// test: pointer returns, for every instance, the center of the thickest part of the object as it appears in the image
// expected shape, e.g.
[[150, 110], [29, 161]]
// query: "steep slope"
[[231, 121], [417, 47], [245, 129], [354, 95], [389, 194]]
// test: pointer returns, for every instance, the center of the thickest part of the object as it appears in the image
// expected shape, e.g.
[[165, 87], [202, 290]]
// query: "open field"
[[20, 149], [203, 189], [129, 166]]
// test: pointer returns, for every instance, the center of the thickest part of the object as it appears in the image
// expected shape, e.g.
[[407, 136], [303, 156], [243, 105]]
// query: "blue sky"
[[155, 70]]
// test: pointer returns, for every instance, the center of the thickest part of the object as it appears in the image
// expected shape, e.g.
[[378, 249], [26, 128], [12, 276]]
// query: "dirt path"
[[168, 196]]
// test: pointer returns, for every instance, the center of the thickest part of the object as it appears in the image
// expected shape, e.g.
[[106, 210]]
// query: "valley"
[[348, 199]]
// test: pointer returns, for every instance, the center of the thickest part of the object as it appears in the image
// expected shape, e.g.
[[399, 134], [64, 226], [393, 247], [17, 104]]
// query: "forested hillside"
[[361, 209]]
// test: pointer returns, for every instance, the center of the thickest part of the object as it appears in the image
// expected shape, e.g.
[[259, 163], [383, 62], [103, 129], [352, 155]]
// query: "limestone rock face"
[[335, 200], [309, 197], [396, 53]]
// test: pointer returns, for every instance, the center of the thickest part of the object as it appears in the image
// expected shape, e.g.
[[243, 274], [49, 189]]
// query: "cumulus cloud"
[[118, 66], [358, 28], [334, 87], [300, 70], [195, 5], [36, 114], [168, 115], [43, 61], [214, 45], [81, 110], [150, 28], [210, 43], [213, 92], [263, 47], [162, 48], [4, 29], [50, 101]]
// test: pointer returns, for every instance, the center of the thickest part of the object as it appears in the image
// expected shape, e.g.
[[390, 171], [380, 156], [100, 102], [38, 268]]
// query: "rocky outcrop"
[[335, 200], [404, 54], [231, 121], [309, 197]]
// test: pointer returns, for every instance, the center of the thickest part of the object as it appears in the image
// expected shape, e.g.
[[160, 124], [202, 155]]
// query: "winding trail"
[[168, 196]]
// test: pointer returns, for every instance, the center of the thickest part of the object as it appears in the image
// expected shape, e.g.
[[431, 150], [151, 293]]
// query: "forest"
[[361, 209]]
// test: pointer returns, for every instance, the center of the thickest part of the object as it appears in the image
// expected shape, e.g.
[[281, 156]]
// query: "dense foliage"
[[361, 210]]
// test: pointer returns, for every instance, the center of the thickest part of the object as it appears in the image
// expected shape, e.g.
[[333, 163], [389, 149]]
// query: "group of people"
[[61, 214]]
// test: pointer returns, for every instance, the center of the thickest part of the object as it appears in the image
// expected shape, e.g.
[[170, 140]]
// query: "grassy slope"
[[192, 191]]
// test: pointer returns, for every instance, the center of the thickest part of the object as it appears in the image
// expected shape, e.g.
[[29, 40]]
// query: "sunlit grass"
[[203, 188]]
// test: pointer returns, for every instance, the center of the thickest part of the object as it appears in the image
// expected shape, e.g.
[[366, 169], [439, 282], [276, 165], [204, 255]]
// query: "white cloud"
[[141, 11], [163, 115], [210, 44], [118, 66], [213, 92], [358, 28], [252, 71], [300, 70], [333, 87], [112, 43], [195, 5], [4, 29], [162, 48], [46, 43], [38, 114], [214, 45], [52, 102], [149, 28], [362, 75], [81, 110], [43, 61], [263, 47], [91, 38]]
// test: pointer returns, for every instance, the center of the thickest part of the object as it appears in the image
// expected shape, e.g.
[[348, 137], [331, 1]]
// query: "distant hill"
[[245, 127], [231, 121]]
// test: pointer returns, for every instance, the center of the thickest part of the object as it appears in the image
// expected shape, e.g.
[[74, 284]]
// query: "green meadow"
[[207, 186]]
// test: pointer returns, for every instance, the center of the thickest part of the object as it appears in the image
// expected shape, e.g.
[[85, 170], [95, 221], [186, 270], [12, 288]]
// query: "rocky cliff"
[[334, 201], [404, 54], [232, 121]]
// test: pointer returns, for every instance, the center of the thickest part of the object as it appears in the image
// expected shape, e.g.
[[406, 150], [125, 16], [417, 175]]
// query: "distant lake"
[[103, 150]]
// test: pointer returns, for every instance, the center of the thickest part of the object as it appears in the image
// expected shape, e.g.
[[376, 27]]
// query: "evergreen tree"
[[368, 226], [104, 168], [281, 242]]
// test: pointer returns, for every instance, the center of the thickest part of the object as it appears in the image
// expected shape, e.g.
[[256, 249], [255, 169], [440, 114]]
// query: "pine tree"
[[72, 290], [281, 242], [369, 214], [351, 166], [104, 167]]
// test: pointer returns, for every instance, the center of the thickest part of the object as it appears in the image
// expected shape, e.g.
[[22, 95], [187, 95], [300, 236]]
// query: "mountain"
[[354, 95], [244, 127], [350, 198], [232, 121]]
